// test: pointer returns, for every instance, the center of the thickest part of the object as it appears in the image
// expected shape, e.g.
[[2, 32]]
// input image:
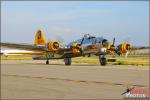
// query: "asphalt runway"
[[21, 79]]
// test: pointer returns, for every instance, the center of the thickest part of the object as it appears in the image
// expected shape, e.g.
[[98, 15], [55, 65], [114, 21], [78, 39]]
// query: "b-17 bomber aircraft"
[[86, 46]]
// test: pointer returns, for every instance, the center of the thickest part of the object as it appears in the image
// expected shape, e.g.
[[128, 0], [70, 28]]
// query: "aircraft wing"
[[23, 46], [38, 50], [30, 47]]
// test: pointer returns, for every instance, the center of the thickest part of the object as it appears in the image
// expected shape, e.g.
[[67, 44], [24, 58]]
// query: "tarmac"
[[29, 79]]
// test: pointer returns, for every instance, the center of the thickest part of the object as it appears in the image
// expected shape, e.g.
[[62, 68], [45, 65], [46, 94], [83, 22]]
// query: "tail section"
[[40, 38]]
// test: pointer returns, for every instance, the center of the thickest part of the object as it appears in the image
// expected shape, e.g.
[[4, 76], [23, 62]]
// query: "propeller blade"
[[82, 41], [113, 41], [126, 55], [117, 52]]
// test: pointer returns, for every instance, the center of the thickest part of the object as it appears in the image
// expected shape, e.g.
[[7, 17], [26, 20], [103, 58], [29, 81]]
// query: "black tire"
[[102, 61], [67, 61], [47, 62]]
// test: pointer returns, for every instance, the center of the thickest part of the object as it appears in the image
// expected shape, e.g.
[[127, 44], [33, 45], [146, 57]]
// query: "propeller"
[[56, 45], [129, 50], [81, 49], [113, 48], [113, 42], [125, 47], [78, 46], [82, 41], [126, 55]]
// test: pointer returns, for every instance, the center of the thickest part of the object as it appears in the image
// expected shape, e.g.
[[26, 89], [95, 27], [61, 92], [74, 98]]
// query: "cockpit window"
[[88, 36]]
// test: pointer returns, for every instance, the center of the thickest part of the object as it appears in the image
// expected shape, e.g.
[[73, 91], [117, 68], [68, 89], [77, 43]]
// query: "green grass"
[[131, 60], [16, 57]]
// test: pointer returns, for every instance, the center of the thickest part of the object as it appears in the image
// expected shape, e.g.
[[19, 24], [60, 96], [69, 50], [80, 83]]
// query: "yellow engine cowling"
[[111, 46], [74, 48], [125, 47], [53, 45]]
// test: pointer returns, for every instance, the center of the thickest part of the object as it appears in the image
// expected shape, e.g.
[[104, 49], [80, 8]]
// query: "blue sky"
[[71, 19]]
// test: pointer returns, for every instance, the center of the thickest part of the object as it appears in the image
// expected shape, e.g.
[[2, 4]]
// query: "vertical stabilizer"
[[40, 38]]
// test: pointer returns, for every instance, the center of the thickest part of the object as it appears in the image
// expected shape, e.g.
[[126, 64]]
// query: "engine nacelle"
[[53, 45], [76, 48], [123, 48], [111, 46]]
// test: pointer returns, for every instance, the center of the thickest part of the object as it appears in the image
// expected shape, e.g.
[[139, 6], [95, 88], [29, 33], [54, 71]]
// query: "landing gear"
[[47, 62], [67, 61], [102, 60]]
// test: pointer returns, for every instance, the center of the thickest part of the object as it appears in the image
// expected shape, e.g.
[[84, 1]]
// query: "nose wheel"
[[102, 60], [67, 61], [47, 62]]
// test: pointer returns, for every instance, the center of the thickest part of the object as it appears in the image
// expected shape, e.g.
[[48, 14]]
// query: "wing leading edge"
[[23, 46]]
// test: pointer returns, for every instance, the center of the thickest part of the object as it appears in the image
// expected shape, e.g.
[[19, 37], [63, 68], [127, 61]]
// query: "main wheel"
[[102, 60], [67, 61], [47, 62]]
